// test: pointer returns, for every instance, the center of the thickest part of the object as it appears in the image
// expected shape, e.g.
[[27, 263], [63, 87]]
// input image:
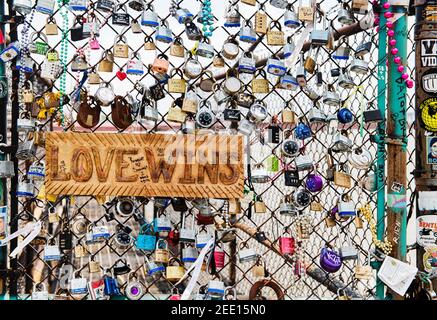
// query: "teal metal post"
[[380, 139]]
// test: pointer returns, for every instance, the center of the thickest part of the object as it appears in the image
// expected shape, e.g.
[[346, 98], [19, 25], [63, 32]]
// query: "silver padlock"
[[78, 5], [231, 48], [187, 234], [320, 37], [301, 73], [287, 82], [45, 6], [202, 238], [276, 66], [286, 208], [348, 251], [25, 123], [246, 127], [25, 188], [182, 15], [345, 80], [105, 94], [232, 83], [7, 168], [247, 63], [247, 254], [257, 112], [205, 118], [359, 66], [220, 96], [26, 150], [341, 143], [205, 49], [303, 162], [22, 6], [25, 63], [36, 171], [163, 33], [331, 97], [134, 65], [216, 289], [342, 52], [149, 17], [189, 254], [247, 33], [232, 15], [291, 20], [150, 113], [259, 174], [289, 48], [345, 14], [280, 4], [315, 115], [192, 67]]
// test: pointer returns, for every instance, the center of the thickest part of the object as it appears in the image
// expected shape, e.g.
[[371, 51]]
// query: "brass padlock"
[[79, 251], [316, 206], [342, 179], [107, 62], [149, 44], [249, 2], [161, 252], [275, 37], [174, 272], [310, 63], [28, 95], [51, 28], [93, 266], [260, 206], [191, 101], [258, 269], [260, 22], [305, 12], [177, 48], [288, 116], [329, 221], [260, 84], [234, 206], [93, 77], [359, 6], [121, 49], [176, 85], [176, 114]]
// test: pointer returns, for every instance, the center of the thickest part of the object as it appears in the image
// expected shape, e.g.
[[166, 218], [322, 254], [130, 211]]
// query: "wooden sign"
[[162, 165]]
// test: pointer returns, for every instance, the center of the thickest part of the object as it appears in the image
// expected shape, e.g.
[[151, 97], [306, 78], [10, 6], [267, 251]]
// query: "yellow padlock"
[[174, 273]]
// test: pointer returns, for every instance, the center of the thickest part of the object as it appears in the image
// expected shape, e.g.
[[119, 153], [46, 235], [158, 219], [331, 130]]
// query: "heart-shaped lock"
[[121, 75]]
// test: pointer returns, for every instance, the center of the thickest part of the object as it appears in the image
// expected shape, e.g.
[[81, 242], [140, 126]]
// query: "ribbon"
[[30, 231], [290, 61], [197, 266]]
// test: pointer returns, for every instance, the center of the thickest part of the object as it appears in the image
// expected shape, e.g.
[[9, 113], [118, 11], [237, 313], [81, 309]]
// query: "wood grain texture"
[[164, 165]]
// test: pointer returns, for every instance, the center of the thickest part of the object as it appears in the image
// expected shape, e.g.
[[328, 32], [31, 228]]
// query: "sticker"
[[431, 150], [428, 114], [429, 81], [426, 230], [430, 13], [3, 88], [396, 201], [429, 52], [430, 259]]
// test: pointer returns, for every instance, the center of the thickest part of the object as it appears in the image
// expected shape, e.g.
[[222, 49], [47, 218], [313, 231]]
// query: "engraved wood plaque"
[[149, 165]]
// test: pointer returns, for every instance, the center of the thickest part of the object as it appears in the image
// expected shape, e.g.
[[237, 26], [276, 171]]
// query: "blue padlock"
[[10, 52], [111, 286], [302, 131], [146, 240], [276, 66], [161, 224], [288, 82], [344, 115]]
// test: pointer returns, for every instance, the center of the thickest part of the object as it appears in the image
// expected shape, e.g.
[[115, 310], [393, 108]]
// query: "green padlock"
[[273, 163], [52, 55]]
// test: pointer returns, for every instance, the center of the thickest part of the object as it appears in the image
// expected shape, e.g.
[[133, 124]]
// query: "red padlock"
[[219, 257], [287, 244], [204, 220], [173, 237]]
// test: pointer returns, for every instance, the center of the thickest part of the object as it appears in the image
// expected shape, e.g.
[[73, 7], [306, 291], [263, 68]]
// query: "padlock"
[[10, 52], [157, 91], [25, 123], [291, 178], [94, 43], [257, 112], [345, 14], [149, 111], [232, 83], [259, 83], [149, 44], [51, 251], [276, 66], [134, 65], [310, 63], [290, 147], [146, 240], [50, 68], [45, 6], [105, 94], [330, 260], [192, 31], [342, 52], [177, 48], [189, 254], [331, 97], [289, 47], [249, 2], [301, 73], [341, 179], [260, 206], [41, 294], [348, 251], [246, 127], [25, 63], [291, 19], [306, 12], [105, 5], [360, 158], [187, 234], [232, 15], [175, 296], [218, 61], [219, 256], [152, 268], [231, 48], [51, 28], [76, 32], [110, 285], [120, 16], [135, 26], [359, 66], [244, 99], [314, 182], [93, 265], [341, 295], [176, 114], [160, 64], [100, 232], [6, 167], [22, 6], [280, 4], [288, 116], [92, 26], [341, 143], [287, 82], [246, 254], [216, 288], [192, 67], [182, 15], [66, 238], [345, 80], [174, 273], [303, 162], [26, 150], [287, 244], [149, 17], [202, 237], [176, 85], [207, 81], [320, 37], [231, 113], [302, 131], [162, 224], [205, 49], [163, 33], [261, 21], [301, 198], [121, 267], [259, 270], [134, 288], [93, 77], [346, 207], [364, 272], [78, 5], [275, 37], [79, 63], [121, 49], [247, 33], [363, 49]]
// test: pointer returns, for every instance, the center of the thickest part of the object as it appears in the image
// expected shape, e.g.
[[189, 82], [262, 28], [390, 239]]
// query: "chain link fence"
[[84, 211]]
